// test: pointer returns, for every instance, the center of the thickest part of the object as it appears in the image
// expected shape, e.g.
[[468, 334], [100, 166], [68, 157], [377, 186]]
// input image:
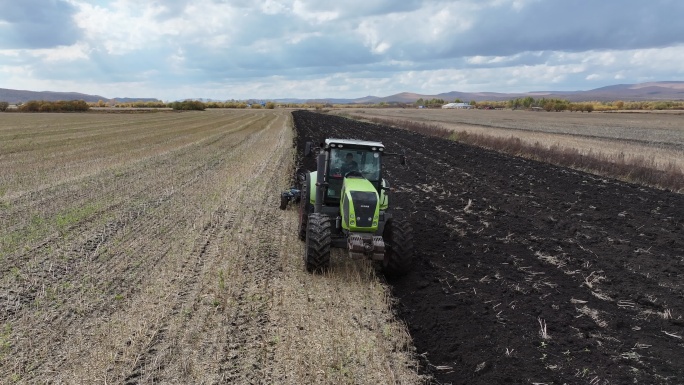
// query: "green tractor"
[[345, 204]]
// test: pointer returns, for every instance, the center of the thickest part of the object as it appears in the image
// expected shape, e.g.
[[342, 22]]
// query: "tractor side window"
[[335, 175], [370, 166], [336, 163]]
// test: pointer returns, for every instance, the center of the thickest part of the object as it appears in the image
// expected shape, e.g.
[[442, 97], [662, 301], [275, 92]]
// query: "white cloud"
[[10, 53], [520, 4], [272, 7], [370, 33], [14, 72], [490, 59], [670, 58], [603, 59], [127, 27], [303, 11], [71, 53], [296, 37], [328, 48], [448, 22]]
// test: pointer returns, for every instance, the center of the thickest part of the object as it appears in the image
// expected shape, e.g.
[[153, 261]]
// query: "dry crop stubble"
[[115, 202], [338, 327], [95, 279], [184, 271], [76, 181]]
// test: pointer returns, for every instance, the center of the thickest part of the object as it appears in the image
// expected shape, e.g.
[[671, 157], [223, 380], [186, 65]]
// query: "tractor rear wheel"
[[317, 257], [398, 237]]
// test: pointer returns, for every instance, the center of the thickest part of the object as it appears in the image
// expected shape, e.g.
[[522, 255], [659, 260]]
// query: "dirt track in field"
[[510, 248]]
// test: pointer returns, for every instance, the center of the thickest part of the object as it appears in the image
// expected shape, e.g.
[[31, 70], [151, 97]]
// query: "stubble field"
[[149, 248]]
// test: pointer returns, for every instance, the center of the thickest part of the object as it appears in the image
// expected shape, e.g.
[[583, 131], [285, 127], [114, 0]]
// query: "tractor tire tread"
[[318, 240], [399, 256]]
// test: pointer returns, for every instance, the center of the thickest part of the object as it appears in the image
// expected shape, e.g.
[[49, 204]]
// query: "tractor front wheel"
[[317, 257], [398, 237]]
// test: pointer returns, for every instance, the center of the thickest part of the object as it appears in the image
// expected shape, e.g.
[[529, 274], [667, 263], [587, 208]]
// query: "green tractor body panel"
[[312, 187], [384, 198], [359, 206]]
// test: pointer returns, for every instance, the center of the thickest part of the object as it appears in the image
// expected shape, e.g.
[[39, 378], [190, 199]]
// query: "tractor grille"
[[364, 207]]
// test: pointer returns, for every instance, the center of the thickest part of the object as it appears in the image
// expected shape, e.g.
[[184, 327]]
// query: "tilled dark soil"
[[507, 248]]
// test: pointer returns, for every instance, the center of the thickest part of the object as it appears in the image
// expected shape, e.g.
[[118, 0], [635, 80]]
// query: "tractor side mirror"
[[307, 149], [402, 160]]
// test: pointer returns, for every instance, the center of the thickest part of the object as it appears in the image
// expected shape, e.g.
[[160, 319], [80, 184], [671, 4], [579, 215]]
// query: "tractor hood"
[[359, 205]]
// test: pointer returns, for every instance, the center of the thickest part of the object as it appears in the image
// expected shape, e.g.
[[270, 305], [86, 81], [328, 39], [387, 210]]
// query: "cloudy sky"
[[237, 49]]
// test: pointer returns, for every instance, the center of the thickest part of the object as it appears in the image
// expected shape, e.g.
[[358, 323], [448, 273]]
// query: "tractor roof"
[[353, 142]]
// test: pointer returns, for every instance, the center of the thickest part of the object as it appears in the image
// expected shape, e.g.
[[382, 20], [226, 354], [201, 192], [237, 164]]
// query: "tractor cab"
[[351, 159]]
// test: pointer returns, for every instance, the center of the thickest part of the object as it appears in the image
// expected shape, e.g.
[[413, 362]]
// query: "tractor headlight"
[[375, 223], [352, 222]]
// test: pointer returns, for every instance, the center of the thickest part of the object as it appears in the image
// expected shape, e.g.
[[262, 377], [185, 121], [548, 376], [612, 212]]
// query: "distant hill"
[[672, 90], [131, 100], [22, 96], [653, 91], [636, 92]]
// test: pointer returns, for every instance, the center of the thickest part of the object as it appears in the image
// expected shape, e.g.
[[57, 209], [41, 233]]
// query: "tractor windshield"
[[344, 160]]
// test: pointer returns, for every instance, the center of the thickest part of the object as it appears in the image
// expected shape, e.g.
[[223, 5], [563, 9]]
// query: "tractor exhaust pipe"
[[321, 182]]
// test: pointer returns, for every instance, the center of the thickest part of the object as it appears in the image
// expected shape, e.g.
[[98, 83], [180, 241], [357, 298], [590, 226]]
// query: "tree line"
[[45, 106], [81, 106], [540, 104], [528, 103], [550, 104]]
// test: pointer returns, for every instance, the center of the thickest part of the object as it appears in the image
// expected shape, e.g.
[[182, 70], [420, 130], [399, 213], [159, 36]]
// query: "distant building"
[[465, 106]]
